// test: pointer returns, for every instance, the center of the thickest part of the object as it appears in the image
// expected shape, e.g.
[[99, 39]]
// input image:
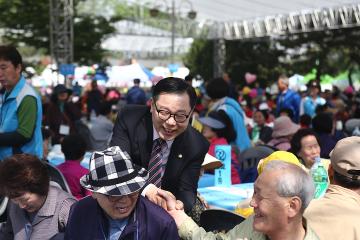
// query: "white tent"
[[123, 76]]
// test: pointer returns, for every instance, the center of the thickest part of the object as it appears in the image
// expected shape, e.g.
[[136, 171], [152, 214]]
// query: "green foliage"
[[327, 52], [27, 23], [258, 56], [89, 33], [199, 58]]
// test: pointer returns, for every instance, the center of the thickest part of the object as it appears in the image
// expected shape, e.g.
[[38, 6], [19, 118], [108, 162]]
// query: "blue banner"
[[67, 69], [223, 174]]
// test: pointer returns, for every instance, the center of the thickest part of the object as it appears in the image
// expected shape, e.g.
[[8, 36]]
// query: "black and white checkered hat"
[[113, 173]]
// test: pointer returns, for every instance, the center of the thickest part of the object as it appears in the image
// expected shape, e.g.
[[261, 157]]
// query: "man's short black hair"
[[174, 85], [105, 108], [73, 146], [10, 53], [136, 81], [217, 88]]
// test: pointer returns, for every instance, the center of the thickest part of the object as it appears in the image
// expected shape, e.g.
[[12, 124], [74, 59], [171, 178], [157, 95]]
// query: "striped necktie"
[[155, 164]]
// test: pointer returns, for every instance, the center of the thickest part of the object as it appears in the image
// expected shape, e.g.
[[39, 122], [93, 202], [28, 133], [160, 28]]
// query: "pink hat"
[[283, 126], [349, 90]]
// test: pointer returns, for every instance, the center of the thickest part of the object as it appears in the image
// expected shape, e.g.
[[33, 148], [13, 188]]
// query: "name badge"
[[223, 174], [64, 129]]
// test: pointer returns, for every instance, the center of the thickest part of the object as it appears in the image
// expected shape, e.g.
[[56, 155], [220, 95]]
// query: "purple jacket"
[[147, 222]]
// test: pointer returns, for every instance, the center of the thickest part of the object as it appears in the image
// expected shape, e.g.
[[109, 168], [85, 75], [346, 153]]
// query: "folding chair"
[[57, 177], [248, 161]]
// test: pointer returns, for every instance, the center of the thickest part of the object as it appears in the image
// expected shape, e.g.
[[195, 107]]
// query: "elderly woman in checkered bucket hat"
[[116, 209]]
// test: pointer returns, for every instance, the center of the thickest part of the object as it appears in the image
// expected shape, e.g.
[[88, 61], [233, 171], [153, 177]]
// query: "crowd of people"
[[147, 155]]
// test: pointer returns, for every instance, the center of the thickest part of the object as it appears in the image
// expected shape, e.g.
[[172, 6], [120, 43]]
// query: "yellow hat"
[[280, 156]]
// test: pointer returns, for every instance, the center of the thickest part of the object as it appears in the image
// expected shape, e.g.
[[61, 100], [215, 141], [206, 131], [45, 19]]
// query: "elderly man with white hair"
[[281, 194]]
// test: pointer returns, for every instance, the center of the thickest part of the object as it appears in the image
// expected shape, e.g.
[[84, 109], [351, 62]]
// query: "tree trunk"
[[351, 70]]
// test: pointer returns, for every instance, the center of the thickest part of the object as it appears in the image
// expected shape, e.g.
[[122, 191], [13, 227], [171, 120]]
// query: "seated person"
[[282, 133], [36, 210], [281, 194], [73, 146], [218, 130], [116, 209], [305, 144], [101, 127], [260, 133]]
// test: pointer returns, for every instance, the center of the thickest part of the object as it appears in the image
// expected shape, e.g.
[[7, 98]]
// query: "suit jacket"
[[133, 132]]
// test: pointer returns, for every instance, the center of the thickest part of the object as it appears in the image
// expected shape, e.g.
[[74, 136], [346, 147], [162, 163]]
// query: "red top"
[[73, 171]]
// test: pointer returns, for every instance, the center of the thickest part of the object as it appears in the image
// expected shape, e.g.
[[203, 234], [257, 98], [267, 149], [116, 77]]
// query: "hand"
[[152, 195], [174, 207]]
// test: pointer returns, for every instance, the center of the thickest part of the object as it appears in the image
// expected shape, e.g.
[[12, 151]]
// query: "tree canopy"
[[27, 23], [328, 52]]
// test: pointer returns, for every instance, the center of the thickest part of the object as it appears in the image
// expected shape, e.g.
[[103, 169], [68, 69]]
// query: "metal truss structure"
[[298, 22], [61, 31]]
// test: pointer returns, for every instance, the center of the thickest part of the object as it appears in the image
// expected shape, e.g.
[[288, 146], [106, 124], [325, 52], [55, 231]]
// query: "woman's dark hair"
[[228, 132], [10, 53], [323, 123], [217, 88], [298, 136], [264, 113], [23, 173], [174, 85], [288, 112], [73, 146], [305, 120]]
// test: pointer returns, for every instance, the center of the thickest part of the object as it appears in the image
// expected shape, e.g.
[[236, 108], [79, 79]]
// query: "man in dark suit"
[[138, 128]]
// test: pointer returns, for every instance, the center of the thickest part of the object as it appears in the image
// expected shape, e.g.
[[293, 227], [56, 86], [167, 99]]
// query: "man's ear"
[[295, 204], [151, 104]]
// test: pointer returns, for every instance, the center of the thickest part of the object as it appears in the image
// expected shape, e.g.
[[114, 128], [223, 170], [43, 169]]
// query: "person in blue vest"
[[311, 102], [217, 89], [288, 98], [20, 110]]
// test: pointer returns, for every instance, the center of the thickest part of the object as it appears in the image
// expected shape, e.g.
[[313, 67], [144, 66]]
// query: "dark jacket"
[[136, 96], [148, 222], [133, 132]]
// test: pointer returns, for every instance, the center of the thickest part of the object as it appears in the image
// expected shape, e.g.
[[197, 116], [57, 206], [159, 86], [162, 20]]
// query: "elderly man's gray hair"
[[293, 182], [284, 79]]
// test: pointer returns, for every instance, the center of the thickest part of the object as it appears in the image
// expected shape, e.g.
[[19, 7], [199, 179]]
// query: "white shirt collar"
[[156, 136]]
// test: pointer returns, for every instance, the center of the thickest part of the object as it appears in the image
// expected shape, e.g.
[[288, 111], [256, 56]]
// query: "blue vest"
[[9, 121]]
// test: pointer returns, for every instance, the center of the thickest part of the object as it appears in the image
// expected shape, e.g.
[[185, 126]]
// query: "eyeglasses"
[[117, 198], [165, 115]]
